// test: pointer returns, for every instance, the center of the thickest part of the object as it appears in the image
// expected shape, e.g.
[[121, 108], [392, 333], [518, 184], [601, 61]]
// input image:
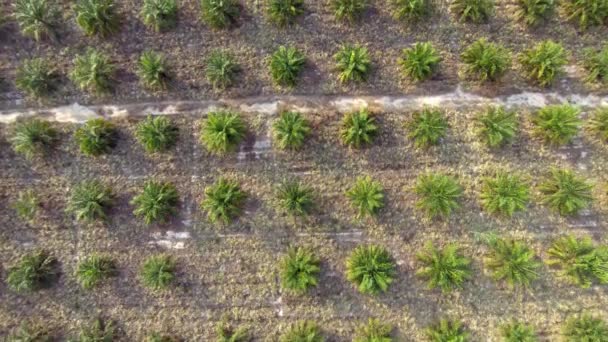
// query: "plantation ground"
[[232, 269], [317, 33]]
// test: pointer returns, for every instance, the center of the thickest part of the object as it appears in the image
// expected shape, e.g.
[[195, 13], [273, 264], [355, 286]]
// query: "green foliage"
[[156, 337], [290, 130], [348, 10], [544, 62], [447, 331], [445, 268], [518, 332], [93, 71], [303, 331], [285, 12], [29, 332], [566, 193], [96, 137], [89, 200], [95, 269], [294, 198], [585, 328], [156, 202], [227, 333], [152, 70], [371, 268], [353, 63], [97, 331], [486, 61], [427, 127], [579, 261], [222, 131], [36, 77], [158, 272], [411, 10], [33, 272], [498, 126], [367, 196], [26, 204], [374, 331], [533, 12], [223, 200], [36, 18], [286, 64], [420, 61], [586, 12], [299, 270], [596, 64], [505, 193], [512, 261], [557, 124], [221, 69], [598, 124], [33, 137], [439, 194], [159, 14], [156, 134], [97, 17], [219, 14], [476, 11], [358, 128]]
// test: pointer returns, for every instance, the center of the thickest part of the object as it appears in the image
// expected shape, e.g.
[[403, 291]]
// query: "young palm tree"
[[290, 130], [439, 194], [152, 70], [158, 272], [223, 200], [222, 131], [444, 268], [305, 331], [498, 126], [96, 137], [566, 193], [156, 202], [557, 124], [36, 18], [370, 268], [420, 61], [89, 201], [95, 269], [286, 64], [512, 261], [299, 270], [358, 128], [367, 196], [505, 194], [294, 198], [156, 134], [159, 14], [353, 63], [374, 331], [97, 17], [33, 272], [447, 331], [580, 262], [33, 137], [585, 328], [427, 127], [36, 77], [221, 69]]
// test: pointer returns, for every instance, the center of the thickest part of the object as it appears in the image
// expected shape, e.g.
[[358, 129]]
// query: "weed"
[[513, 262], [348, 10], [486, 61], [358, 128], [544, 62], [367, 196], [307, 331], [427, 127], [557, 124], [36, 18], [290, 130], [299, 270], [566, 193], [371, 269], [285, 12], [26, 205], [439, 194], [97, 330], [160, 15], [294, 198], [152, 70], [221, 69], [353, 63], [96, 137], [93, 71], [156, 134], [411, 10], [447, 331], [420, 62], [596, 64], [219, 14], [222, 131], [585, 328], [445, 268], [94, 270], [33, 137], [579, 261], [533, 12], [158, 272], [586, 12], [89, 201], [156, 202], [598, 124], [505, 194], [223, 200], [33, 272], [374, 331], [498, 126], [476, 11], [286, 64], [30, 332], [36, 77], [97, 17], [518, 332]]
